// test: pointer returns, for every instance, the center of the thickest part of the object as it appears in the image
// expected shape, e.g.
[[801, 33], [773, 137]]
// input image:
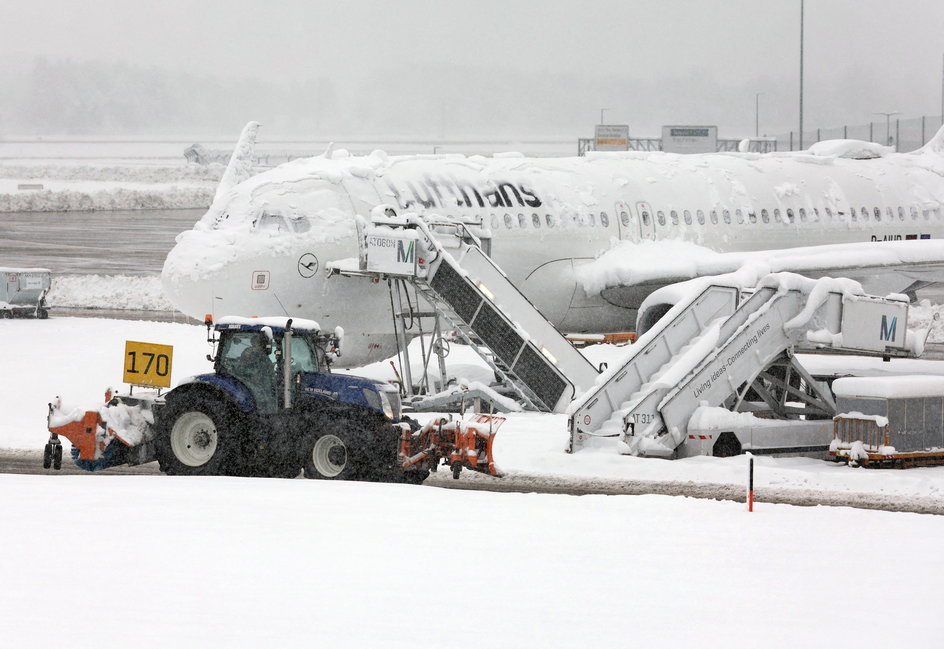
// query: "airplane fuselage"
[[263, 250]]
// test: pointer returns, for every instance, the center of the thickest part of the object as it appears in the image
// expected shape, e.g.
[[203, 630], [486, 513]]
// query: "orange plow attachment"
[[94, 433], [461, 444]]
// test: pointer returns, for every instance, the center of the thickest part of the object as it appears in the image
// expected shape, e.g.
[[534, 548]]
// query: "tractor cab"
[[270, 355]]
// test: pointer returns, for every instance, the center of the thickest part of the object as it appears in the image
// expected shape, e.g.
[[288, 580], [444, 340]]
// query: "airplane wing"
[[628, 272]]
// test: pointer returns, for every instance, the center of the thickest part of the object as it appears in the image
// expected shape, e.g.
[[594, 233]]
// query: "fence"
[[903, 134]]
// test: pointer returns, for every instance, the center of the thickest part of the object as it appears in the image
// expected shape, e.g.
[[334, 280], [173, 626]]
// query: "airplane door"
[[647, 222], [627, 229]]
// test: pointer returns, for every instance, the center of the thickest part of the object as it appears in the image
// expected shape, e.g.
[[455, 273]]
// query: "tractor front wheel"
[[332, 455]]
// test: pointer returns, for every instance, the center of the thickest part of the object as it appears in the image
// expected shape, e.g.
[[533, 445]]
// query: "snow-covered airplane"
[[585, 239]]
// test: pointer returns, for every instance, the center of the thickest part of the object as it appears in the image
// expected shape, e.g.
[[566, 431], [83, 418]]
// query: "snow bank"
[[86, 187], [79, 172], [137, 293], [108, 198]]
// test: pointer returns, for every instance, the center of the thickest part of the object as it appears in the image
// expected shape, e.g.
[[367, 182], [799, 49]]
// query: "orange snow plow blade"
[[94, 434], [83, 433], [462, 444]]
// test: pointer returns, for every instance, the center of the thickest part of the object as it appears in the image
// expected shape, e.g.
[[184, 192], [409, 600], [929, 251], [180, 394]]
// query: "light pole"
[[603, 110], [757, 113], [801, 75], [888, 117]]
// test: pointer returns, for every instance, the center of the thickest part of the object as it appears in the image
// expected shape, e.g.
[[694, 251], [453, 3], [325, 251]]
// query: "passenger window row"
[[536, 221], [800, 215]]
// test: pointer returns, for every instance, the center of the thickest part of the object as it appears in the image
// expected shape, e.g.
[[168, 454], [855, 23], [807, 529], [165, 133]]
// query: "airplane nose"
[[189, 272]]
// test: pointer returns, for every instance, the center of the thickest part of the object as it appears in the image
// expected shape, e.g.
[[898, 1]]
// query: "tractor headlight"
[[387, 402], [391, 404]]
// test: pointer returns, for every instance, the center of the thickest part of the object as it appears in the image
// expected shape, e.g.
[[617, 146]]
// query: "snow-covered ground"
[[141, 561], [136, 293], [116, 561], [77, 358]]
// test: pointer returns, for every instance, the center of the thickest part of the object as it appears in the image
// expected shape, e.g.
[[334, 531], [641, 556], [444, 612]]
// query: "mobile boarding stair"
[[446, 264], [724, 346]]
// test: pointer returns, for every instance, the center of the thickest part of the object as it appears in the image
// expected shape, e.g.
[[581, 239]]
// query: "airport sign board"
[[689, 139], [148, 364], [611, 137], [391, 252], [874, 325]]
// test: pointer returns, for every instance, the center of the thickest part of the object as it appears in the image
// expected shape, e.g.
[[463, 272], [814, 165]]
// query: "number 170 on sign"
[[148, 364]]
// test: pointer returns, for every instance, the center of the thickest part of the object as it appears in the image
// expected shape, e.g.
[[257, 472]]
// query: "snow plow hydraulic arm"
[[459, 443]]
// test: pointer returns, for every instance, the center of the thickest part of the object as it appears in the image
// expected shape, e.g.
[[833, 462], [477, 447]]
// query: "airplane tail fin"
[[935, 144], [240, 164]]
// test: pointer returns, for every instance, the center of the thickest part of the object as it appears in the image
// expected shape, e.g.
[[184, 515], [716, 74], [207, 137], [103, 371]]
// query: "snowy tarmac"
[[226, 562], [110, 560], [119, 242], [77, 358]]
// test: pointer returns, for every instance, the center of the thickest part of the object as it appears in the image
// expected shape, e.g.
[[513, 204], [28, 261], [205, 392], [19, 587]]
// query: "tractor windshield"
[[245, 355]]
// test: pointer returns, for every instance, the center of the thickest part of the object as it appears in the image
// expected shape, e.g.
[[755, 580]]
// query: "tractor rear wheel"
[[198, 435]]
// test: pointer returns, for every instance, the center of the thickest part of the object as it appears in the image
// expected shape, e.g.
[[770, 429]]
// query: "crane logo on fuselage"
[[449, 191]]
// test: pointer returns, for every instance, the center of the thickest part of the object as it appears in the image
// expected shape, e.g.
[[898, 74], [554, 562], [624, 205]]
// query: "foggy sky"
[[532, 67]]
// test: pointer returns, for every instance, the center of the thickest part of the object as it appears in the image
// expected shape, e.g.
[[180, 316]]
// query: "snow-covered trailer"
[[23, 292], [889, 421]]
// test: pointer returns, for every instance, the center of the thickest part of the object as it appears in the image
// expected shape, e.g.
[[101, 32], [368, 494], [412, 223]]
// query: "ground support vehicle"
[[23, 292], [889, 421], [271, 407], [863, 440]]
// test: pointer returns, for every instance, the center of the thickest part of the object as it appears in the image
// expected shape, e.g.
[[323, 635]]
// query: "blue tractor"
[[272, 407]]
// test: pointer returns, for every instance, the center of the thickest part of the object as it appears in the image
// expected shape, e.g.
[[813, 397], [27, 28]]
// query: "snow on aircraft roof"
[[856, 149]]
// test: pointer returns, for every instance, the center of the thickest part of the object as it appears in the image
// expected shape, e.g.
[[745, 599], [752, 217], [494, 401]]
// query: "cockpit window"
[[300, 223], [277, 223], [273, 222]]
